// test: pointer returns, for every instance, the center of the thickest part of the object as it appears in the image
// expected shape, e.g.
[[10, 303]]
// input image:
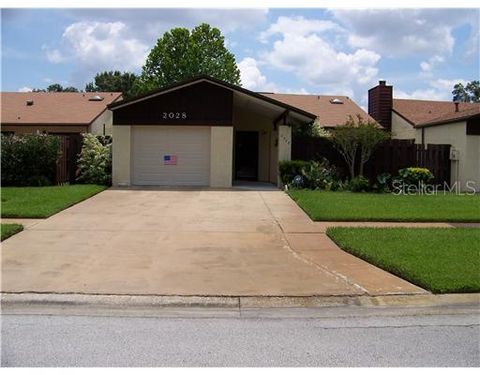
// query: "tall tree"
[[180, 54], [114, 81], [469, 93]]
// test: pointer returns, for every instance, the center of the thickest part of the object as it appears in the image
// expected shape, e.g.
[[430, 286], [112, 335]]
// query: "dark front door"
[[246, 155]]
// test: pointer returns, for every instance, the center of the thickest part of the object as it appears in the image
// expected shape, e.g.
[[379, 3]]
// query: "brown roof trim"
[[46, 124], [218, 82], [402, 116], [448, 121]]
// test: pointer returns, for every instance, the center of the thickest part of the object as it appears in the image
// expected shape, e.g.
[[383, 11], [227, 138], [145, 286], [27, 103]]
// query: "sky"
[[421, 52]]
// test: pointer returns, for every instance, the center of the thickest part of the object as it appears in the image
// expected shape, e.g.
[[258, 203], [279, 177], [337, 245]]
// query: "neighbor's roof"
[[448, 118], [418, 112], [329, 114], [54, 108]]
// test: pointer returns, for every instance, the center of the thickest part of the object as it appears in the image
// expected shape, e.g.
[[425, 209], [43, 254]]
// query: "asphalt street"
[[256, 339]]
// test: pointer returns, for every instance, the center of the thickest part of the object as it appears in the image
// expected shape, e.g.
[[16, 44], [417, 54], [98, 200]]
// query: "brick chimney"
[[380, 101]]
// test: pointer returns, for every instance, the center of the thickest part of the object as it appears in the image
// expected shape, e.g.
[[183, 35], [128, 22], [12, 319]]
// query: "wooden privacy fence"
[[388, 158], [70, 147]]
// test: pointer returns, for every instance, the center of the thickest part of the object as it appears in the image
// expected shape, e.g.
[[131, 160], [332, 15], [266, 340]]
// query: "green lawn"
[[9, 230], [40, 202], [347, 206], [442, 260]]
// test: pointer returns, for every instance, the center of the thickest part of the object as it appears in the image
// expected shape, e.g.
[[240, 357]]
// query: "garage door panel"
[[191, 146]]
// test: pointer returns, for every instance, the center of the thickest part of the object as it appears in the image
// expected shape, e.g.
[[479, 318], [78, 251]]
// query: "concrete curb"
[[12, 300]]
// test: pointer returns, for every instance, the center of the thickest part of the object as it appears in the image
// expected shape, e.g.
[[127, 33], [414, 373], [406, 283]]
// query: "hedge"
[[29, 159]]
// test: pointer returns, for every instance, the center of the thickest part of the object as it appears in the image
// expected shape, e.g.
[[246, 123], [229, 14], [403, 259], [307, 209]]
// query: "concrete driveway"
[[187, 242]]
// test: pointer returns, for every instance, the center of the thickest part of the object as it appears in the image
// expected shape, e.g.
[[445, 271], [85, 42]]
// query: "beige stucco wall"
[[121, 155], [248, 120], [221, 156], [401, 129], [473, 158], [284, 145], [467, 167], [96, 127]]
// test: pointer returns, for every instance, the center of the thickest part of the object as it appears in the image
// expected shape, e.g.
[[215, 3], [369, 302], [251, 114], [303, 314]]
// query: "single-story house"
[[201, 132], [206, 132], [434, 122], [57, 112]]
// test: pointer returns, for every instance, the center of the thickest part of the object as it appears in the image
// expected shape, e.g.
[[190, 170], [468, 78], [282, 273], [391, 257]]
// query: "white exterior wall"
[[97, 126], [401, 128], [121, 156], [467, 167], [221, 156]]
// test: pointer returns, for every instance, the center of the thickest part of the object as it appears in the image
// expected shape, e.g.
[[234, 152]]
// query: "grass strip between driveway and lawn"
[[42, 202], [442, 260], [9, 230], [347, 206]]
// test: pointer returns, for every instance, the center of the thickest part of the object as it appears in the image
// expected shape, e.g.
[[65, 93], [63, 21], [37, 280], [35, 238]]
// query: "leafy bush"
[[310, 174], [288, 169], [29, 159], [320, 175], [415, 175], [359, 184], [94, 163], [383, 183]]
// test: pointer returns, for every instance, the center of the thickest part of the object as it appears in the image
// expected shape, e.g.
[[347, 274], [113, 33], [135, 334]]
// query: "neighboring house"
[[57, 112], [202, 132], [433, 122], [331, 110]]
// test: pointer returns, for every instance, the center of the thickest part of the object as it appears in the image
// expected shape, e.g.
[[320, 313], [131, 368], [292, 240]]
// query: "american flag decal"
[[169, 160]]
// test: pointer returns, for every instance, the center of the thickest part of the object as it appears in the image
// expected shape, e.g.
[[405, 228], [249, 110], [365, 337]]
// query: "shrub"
[[94, 163], [359, 184], [310, 174], [29, 159], [415, 175], [320, 175], [288, 169], [382, 184]]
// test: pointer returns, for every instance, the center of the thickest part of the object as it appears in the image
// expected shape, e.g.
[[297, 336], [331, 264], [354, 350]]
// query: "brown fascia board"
[[448, 121], [218, 82], [46, 123], [402, 116]]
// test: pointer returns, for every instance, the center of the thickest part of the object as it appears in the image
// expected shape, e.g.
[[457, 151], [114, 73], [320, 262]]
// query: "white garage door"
[[171, 155]]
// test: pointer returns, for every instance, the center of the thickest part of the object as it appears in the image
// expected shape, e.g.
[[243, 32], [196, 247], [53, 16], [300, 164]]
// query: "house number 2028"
[[174, 115]]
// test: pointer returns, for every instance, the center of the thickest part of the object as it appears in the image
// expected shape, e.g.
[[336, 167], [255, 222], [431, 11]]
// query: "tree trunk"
[[352, 169], [360, 172]]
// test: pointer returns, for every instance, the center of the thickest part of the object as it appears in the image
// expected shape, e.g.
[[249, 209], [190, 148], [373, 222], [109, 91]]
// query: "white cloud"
[[98, 46], [298, 26], [439, 89], [252, 78], [148, 25], [402, 32], [304, 50], [431, 63], [54, 56], [25, 89]]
